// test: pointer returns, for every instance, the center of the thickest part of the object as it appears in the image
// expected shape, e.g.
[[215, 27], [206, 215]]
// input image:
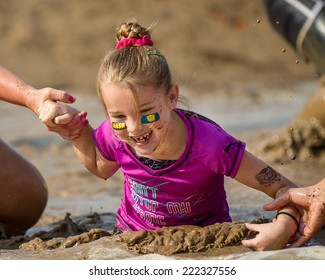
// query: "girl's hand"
[[63, 119], [73, 130], [271, 236]]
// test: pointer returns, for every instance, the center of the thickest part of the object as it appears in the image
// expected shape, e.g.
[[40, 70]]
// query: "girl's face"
[[148, 130]]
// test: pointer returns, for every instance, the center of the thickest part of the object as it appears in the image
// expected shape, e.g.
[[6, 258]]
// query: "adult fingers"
[[316, 217], [57, 95], [48, 113], [298, 196], [301, 240], [278, 203]]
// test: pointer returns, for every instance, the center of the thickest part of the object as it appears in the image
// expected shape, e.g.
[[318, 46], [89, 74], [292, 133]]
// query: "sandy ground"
[[226, 58]]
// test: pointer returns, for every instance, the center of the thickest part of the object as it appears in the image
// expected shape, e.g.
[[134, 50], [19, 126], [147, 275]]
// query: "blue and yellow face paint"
[[150, 118], [147, 119]]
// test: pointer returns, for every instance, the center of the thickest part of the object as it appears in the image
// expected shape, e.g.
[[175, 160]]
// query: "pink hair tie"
[[143, 41]]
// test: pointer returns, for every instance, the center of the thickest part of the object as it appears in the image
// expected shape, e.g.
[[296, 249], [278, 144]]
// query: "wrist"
[[31, 99], [290, 219]]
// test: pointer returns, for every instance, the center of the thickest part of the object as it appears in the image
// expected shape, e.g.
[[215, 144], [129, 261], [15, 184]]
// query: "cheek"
[[121, 134], [161, 124]]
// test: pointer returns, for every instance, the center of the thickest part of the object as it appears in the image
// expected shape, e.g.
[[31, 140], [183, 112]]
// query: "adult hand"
[[36, 98], [312, 201]]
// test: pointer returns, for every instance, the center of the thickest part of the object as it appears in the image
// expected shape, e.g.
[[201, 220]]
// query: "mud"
[[186, 239], [64, 233], [302, 140], [167, 241], [314, 108]]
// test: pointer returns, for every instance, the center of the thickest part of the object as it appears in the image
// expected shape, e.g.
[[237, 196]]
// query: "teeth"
[[142, 139]]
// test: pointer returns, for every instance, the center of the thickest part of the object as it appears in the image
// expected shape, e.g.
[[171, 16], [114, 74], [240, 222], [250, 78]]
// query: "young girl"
[[174, 161]]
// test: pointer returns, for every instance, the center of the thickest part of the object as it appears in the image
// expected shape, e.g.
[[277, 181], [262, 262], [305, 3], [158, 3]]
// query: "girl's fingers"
[[253, 227], [63, 119]]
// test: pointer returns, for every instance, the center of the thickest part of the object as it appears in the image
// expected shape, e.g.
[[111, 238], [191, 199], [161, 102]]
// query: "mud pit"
[[166, 241], [186, 239]]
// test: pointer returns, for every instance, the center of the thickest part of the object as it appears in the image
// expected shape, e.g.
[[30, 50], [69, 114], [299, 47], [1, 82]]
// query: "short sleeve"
[[105, 141], [219, 150]]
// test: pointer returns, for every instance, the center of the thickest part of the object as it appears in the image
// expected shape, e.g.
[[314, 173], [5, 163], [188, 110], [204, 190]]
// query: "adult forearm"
[[13, 89]]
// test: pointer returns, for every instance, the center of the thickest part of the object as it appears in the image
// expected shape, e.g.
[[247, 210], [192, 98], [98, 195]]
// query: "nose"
[[133, 125]]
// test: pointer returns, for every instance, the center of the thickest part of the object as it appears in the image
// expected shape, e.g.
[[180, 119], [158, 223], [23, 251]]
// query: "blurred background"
[[209, 44]]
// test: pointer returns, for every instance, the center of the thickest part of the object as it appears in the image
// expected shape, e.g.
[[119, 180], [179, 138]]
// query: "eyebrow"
[[146, 104], [114, 112]]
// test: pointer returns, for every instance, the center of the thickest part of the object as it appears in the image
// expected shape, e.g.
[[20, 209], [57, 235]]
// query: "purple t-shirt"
[[189, 192]]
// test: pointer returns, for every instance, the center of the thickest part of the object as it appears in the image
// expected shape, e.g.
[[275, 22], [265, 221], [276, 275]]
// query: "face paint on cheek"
[[151, 118], [118, 125]]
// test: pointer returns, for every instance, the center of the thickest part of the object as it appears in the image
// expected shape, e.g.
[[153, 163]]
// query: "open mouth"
[[142, 138]]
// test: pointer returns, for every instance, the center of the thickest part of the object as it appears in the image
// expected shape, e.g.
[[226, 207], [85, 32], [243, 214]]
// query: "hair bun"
[[131, 29]]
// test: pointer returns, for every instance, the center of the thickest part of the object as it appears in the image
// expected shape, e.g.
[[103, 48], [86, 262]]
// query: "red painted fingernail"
[[71, 98]]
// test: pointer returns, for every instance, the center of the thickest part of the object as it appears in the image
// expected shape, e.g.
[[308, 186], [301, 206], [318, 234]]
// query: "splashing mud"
[[302, 140]]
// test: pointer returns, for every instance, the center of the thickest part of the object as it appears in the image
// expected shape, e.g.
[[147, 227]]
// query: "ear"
[[173, 95]]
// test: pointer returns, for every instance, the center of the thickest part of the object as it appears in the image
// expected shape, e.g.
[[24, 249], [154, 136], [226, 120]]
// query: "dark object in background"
[[302, 24]]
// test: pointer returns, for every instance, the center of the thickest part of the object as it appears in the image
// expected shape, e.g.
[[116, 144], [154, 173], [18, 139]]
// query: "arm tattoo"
[[267, 176]]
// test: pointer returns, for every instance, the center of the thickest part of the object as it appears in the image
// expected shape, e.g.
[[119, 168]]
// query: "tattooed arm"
[[256, 174]]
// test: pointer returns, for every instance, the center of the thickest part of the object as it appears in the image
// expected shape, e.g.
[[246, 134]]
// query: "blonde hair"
[[134, 64]]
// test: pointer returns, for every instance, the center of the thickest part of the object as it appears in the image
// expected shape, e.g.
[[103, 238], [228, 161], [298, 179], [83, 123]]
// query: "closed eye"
[[118, 117], [145, 111]]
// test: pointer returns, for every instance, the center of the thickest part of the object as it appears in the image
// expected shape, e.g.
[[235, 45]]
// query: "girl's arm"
[[256, 174], [73, 125], [90, 157]]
